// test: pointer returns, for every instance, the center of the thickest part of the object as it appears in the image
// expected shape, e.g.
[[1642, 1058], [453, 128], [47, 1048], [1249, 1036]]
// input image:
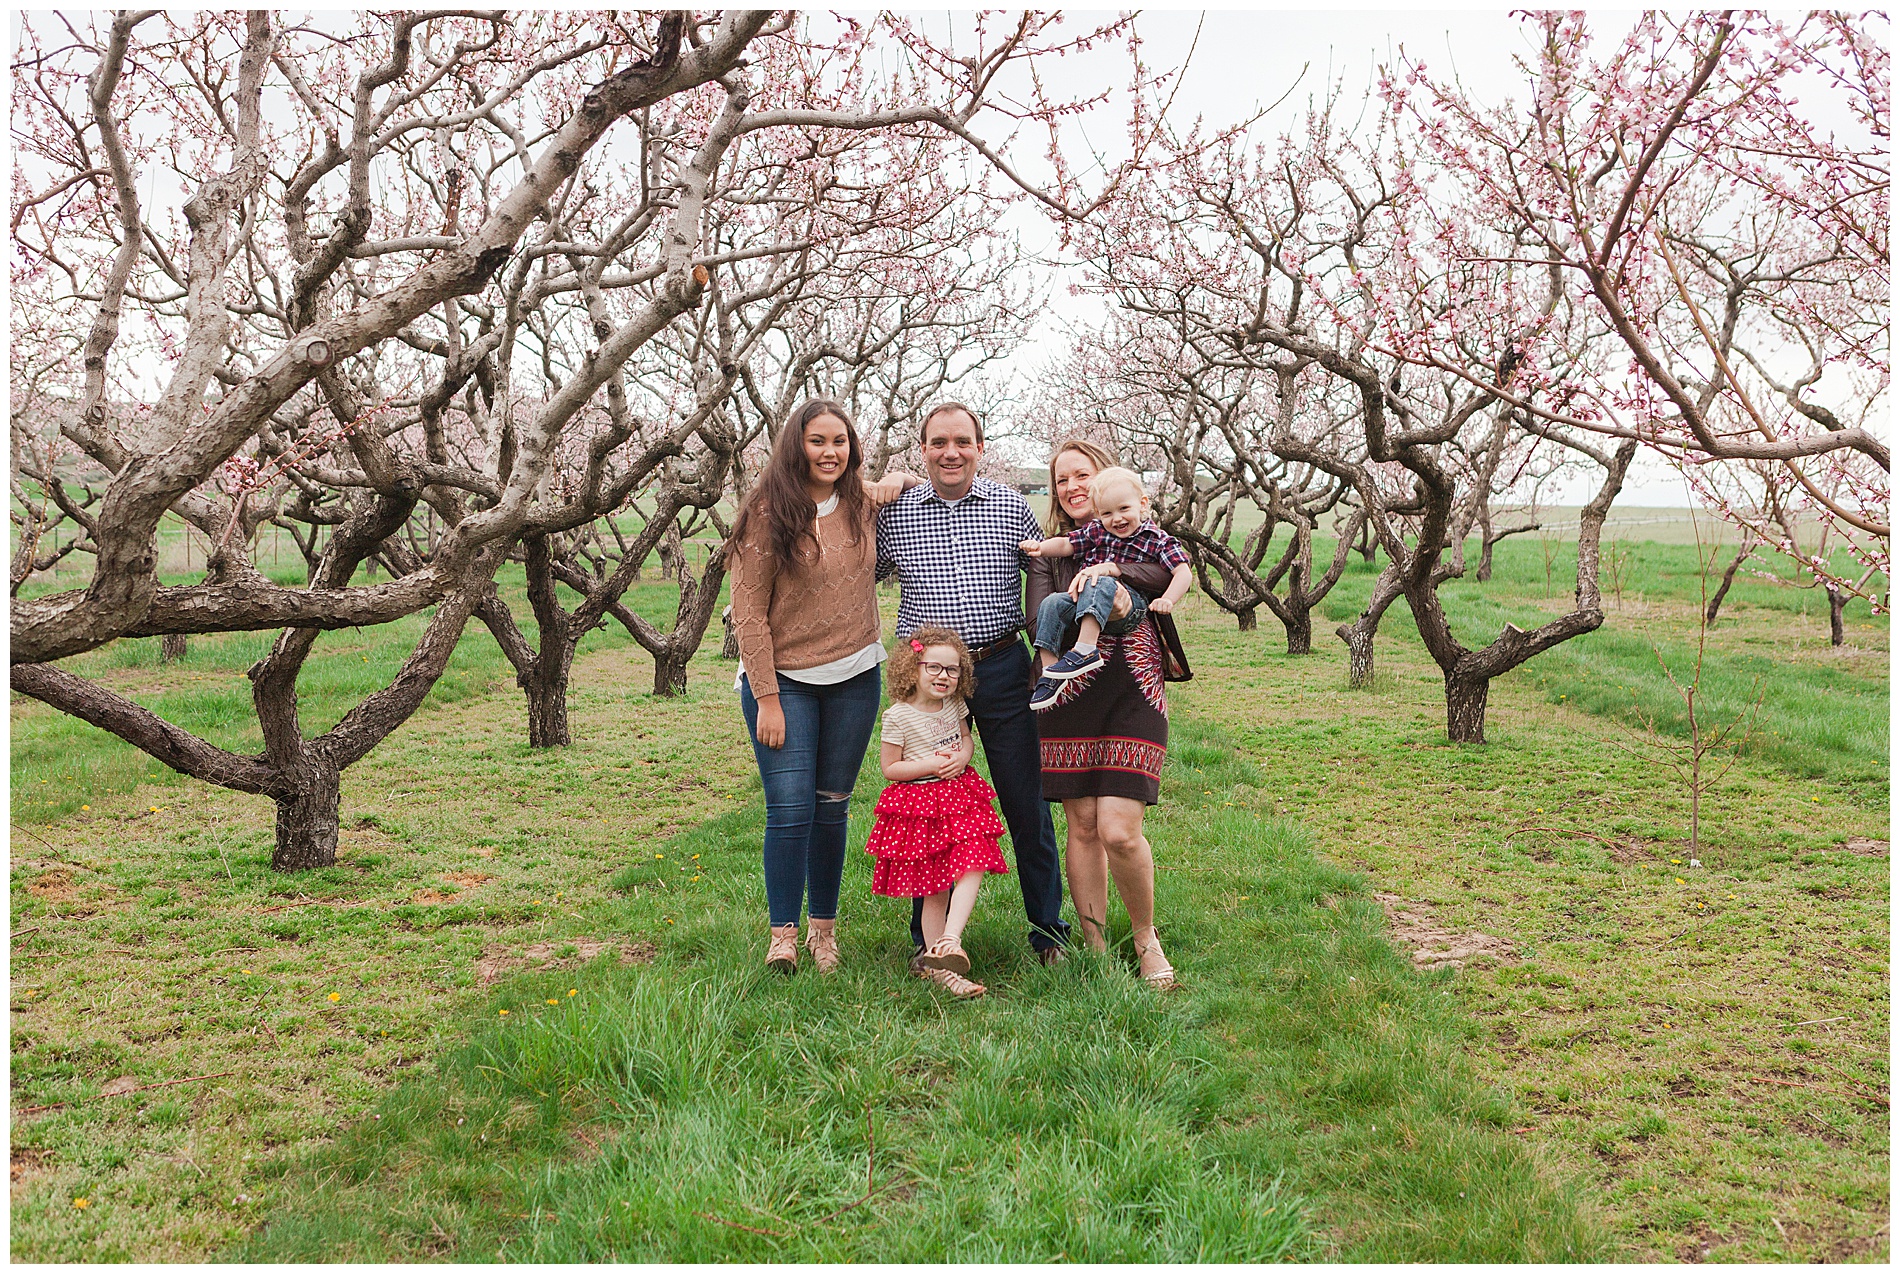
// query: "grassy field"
[[523, 1016]]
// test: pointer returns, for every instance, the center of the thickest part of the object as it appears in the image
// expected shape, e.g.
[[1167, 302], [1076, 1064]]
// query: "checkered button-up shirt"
[[1095, 545], [959, 564]]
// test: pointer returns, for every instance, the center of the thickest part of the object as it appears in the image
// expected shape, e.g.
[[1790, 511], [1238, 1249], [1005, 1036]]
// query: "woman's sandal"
[[946, 953], [782, 955], [821, 939], [1162, 977], [953, 982]]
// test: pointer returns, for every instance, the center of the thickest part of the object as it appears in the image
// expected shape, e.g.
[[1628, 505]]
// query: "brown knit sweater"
[[804, 618]]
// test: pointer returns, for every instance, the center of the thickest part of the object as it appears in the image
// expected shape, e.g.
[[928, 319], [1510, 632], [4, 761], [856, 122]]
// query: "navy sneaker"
[[1043, 697], [1073, 664]]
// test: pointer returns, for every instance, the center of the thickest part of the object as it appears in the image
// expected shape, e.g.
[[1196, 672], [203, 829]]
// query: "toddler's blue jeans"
[[1059, 612]]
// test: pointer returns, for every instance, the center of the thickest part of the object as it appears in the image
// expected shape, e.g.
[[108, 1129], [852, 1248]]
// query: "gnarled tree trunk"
[[1359, 634], [307, 796], [1465, 698], [1299, 632], [673, 651]]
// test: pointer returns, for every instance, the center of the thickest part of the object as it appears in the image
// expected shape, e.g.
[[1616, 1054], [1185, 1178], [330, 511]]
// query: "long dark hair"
[[780, 499]]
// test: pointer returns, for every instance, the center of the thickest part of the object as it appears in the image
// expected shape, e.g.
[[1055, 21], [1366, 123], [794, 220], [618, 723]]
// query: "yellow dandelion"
[[573, 990], [334, 997], [154, 809], [502, 1012], [535, 903], [1816, 800], [695, 877], [553, 1001], [1681, 881], [83, 808], [1676, 861], [82, 1203], [659, 855], [243, 970], [1245, 897]]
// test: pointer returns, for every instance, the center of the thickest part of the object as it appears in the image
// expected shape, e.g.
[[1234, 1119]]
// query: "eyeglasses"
[[937, 670]]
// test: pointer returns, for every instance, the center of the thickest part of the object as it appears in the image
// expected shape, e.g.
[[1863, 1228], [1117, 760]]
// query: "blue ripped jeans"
[[808, 786]]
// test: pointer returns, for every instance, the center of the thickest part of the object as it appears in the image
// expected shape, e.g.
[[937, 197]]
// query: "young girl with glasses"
[[937, 829]]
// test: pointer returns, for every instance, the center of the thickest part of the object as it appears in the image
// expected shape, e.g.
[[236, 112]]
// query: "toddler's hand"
[[1161, 606], [1031, 547], [949, 766]]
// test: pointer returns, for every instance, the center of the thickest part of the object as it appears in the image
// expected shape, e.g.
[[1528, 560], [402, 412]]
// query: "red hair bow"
[[916, 645]]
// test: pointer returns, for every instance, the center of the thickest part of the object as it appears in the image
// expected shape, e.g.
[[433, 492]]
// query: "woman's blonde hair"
[[906, 653], [1059, 522]]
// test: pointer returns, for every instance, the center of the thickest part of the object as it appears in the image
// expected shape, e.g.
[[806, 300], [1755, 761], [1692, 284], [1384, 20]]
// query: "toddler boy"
[[1121, 532]]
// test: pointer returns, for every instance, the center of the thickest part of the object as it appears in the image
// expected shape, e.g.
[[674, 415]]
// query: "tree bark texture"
[[307, 822], [547, 706], [1299, 633], [728, 649], [1359, 634], [1836, 624], [1465, 698], [172, 647], [1721, 590]]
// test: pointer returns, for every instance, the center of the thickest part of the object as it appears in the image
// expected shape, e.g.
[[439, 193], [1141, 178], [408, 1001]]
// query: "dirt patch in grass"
[[26, 1160], [466, 879], [563, 954], [1866, 846], [1431, 945], [433, 895], [55, 885]]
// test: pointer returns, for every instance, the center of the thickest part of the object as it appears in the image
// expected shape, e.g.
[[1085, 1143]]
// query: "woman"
[[1104, 742], [804, 611]]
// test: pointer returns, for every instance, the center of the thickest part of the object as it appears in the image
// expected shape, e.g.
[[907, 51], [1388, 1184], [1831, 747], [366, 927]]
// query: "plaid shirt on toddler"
[[1095, 544]]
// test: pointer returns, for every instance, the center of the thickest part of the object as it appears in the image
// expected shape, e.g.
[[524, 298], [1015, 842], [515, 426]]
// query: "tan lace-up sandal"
[[947, 953], [821, 939], [953, 982], [1155, 969], [782, 954]]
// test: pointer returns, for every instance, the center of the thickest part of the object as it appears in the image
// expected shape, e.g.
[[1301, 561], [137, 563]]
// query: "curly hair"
[[905, 654]]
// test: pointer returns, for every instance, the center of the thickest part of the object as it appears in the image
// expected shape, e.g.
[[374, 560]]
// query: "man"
[[954, 544]]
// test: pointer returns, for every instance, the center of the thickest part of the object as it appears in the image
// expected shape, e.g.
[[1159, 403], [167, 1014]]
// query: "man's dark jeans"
[[1013, 749], [808, 788]]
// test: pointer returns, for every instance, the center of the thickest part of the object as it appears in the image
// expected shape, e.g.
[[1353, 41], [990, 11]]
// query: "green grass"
[[1074, 1115], [1703, 1047], [1592, 1093]]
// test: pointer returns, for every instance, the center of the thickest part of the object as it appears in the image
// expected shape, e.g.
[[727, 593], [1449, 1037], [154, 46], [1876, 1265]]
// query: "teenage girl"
[[936, 829]]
